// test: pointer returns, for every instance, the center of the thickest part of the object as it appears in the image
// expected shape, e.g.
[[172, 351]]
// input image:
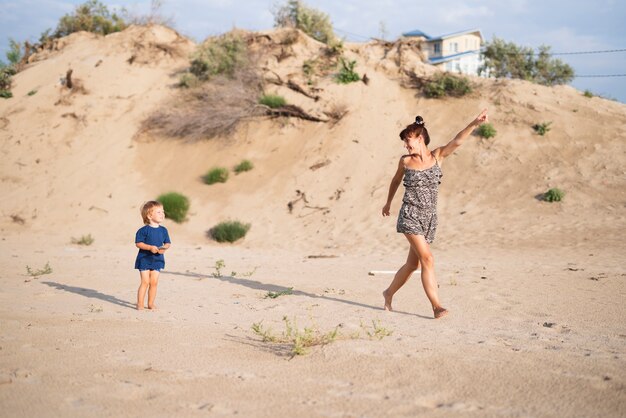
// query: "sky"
[[565, 25]]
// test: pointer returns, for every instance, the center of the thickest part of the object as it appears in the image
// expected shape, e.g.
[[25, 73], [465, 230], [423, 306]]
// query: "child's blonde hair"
[[147, 208]]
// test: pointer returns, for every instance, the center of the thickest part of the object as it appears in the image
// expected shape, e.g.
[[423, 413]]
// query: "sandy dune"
[[536, 290]]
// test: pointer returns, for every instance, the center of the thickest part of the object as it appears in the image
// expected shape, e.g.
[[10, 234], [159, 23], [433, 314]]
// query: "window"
[[437, 48]]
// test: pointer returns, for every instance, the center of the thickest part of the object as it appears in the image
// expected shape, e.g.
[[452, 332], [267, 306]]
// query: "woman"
[[417, 220]]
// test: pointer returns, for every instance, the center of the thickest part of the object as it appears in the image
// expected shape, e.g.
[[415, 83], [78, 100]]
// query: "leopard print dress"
[[418, 214]]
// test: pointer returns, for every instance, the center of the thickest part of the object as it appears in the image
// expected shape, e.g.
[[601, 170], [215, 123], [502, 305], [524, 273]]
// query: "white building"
[[456, 52]]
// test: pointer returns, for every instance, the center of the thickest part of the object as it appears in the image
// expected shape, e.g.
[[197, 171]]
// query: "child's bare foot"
[[440, 312], [139, 308], [152, 308], [387, 301]]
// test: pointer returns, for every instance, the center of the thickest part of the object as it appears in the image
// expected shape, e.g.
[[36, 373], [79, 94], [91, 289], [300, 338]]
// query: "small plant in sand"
[[84, 240], [486, 130], [243, 166], [219, 265], [272, 100], [39, 272], [216, 175], [346, 73], [542, 128], [5, 94], [297, 340], [446, 84], [554, 195], [175, 206], [229, 231], [377, 331], [274, 295], [32, 92], [588, 94]]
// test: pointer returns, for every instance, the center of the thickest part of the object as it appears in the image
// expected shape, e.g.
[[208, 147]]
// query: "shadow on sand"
[[253, 284], [91, 293]]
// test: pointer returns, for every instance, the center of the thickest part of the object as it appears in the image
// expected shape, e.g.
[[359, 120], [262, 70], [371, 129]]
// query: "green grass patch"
[[243, 166], [447, 84], [216, 175], [39, 272], [588, 93], [272, 100], [297, 340], [175, 206], [346, 73], [554, 195], [84, 240], [274, 295], [486, 130], [542, 128], [229, 231]]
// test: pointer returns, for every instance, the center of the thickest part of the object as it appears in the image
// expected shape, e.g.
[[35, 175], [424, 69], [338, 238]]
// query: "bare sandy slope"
[[536, 289]]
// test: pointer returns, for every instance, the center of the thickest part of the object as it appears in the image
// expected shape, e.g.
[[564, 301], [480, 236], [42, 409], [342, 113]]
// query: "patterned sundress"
[[418, 214]]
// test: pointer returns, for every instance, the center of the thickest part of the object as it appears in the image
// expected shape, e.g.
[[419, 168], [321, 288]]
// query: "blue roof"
[[449, 35], [416, 32], [438, 60]]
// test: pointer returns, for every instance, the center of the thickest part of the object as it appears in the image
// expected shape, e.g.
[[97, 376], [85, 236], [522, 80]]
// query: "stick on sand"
[[381, 272]]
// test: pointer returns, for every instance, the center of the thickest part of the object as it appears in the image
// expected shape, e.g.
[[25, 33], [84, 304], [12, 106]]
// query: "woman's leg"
[[422, 248], [401, 277], [152, 291], [144, 275]]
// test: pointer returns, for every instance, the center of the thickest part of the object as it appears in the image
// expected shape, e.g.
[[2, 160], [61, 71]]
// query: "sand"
[[535, 289]]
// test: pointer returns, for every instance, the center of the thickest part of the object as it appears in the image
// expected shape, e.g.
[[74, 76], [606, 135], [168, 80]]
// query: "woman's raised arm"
[[451, 146]]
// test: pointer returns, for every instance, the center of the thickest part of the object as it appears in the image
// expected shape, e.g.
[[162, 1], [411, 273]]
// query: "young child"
[[420, 171], [152, 240]]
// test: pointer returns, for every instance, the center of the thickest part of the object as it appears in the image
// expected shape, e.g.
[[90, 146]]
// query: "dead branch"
[[291, 111]]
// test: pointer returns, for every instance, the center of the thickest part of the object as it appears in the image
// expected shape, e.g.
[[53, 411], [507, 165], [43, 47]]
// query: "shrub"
[[346, 72], [588, 93], [553, 195], [84, 240], [5, 94], [229, 231], [220, 55], [91, 16], [542, 128], [273, 101], [39, 272], [188, 80], [216, 175], [5, 77], [296, 14], [175, 206], [486, 130], [245, 165], [446, 84]]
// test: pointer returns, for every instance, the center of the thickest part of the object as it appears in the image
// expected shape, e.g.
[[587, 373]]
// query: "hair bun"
[[419, 120]]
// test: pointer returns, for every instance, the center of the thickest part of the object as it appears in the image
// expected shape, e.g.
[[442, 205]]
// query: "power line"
[[599, 75], [605, 51]]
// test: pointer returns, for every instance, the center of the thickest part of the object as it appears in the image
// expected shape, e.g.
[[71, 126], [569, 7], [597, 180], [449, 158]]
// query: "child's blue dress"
[[150, 235]]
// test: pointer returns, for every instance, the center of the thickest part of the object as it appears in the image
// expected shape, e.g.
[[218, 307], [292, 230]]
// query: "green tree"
[[296, 14], [91, 16], [508, 60], [14, 54]]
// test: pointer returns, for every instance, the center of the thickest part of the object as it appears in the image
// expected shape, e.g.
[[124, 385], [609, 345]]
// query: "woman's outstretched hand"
[[481, 118], [386, 210]]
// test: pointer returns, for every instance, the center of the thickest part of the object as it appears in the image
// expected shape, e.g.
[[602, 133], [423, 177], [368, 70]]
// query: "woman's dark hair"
[[416, 129]]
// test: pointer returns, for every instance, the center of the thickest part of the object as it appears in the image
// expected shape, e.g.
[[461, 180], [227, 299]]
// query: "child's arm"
[[164, 247], [393, 187], [461, 136], [143, 246]]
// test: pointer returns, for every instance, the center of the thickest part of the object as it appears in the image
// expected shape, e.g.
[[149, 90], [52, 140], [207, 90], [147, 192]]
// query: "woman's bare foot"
[[152, 308], [139, 308], [387, 301], [440, 312]]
